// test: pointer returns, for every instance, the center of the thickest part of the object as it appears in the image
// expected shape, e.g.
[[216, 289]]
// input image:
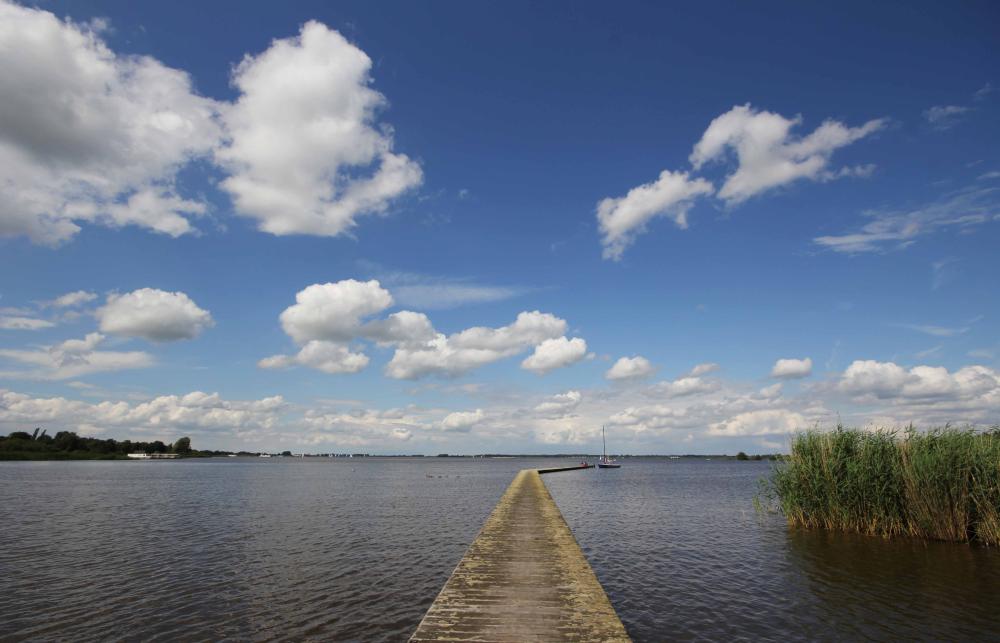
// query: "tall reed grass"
[[941, 484]]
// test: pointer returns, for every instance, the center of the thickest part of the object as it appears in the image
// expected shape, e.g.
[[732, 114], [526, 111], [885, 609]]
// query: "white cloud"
[[326, 318], [329, 357], [887, 380], [405, 327], [474, 347], [304, 150], [333, 311], [622, 219], [770, 392], [360, 427], [760, 422], [768, 154], [944, 117], [462, 421], [528, 329], [164, 416], [683, 387], [792, 368], [892, 229], [72, 299], [72, 358], [23, 323], [153, 314], [87, 135], [560, 405], [555, 353], [629, 368], [704, 369]]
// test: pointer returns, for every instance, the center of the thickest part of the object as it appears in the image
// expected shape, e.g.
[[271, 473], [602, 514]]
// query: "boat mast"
[[604, 439]]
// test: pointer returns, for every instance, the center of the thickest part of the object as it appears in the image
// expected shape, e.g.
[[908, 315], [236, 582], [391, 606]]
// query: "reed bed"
[[942, 484]]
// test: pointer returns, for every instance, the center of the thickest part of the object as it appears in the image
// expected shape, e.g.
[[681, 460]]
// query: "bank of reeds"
[[941, 484]]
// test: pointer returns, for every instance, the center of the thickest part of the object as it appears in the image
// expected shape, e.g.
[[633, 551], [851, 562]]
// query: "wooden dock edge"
[[523, 578]]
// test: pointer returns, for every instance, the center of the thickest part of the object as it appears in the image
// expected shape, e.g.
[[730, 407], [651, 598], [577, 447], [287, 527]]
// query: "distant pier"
[[524, 578]]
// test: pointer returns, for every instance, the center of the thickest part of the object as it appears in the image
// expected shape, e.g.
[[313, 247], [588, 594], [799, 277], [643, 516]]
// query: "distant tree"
[[742, 456], [67, 441], [34, 436], [183, 446], [286, 453], [20, 435]]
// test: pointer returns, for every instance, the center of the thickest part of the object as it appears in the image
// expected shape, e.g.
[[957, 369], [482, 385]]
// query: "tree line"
[[39, 445]]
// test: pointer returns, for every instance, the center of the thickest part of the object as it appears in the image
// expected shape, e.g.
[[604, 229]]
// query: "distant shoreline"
[[84, 456]]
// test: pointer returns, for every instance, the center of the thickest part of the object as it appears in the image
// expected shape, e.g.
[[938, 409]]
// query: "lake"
[[357, 549]]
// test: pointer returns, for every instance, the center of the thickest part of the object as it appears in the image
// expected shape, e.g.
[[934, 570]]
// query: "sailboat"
[[605, 462]]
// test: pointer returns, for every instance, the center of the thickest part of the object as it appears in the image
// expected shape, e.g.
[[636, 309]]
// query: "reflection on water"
[[358, 549], [936, 590]]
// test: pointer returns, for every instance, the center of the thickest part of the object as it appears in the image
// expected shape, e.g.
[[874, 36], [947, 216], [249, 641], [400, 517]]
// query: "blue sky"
[[701, 185]]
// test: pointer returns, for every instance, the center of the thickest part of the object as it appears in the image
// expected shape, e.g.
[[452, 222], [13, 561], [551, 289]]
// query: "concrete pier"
[[524, 578]]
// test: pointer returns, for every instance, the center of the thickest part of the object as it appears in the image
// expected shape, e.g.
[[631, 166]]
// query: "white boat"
[[265, 455], [605, 462]]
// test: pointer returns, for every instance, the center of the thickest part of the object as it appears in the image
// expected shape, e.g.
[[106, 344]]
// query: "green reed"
[[942, 484]]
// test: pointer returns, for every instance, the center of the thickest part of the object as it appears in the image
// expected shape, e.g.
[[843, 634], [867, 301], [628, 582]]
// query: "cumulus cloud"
[[360, 427], [461, 352], [760, 422], [770, 392], [768, 154], [333, 311], [555, 353], [887, 380], [683, 386], [72, 358], [630, 368], [87, 135], [896, 229], [405, 327], [327, 318], [792, 368], [152, 314], [166, 416], [304, 150], [329, 357], [560, 405], [462, 420], [622, 219], [17, 322]]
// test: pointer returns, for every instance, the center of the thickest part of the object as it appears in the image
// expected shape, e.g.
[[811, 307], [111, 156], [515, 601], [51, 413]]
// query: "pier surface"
[[524, 578]]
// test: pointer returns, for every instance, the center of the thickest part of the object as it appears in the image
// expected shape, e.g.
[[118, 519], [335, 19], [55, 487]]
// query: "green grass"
[[941, 484]]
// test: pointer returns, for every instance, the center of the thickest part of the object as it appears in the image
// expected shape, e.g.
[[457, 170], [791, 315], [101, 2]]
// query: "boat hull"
[[609, 466]]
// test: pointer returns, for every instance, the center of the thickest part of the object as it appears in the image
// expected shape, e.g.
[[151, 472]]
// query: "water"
[[357, 550]]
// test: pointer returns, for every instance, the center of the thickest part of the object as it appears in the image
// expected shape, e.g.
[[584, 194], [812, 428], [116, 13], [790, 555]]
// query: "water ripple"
[[292, 550]]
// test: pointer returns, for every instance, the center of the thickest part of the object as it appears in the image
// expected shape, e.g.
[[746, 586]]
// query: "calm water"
[[357, 550]]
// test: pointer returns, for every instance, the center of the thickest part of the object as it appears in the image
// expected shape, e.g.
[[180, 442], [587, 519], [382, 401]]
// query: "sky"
[[497, 227]]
